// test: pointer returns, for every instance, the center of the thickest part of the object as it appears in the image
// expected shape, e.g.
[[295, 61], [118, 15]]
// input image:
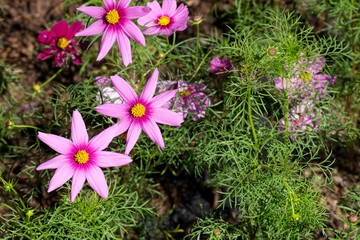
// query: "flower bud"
[[9, 125], [197, 19], [29, 212], [162, 54], [37, 88], [8, 186], [353, 219], [217, 231], [272, 52], [295, 217]]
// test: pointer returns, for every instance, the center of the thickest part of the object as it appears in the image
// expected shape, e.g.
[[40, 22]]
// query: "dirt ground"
[[22, 20]]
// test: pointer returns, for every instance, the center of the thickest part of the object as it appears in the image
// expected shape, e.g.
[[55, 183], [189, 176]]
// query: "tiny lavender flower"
[[107, 93], [302, 117], [192, 97], [165, 20], [61, 44], [220, 66], [307, 80], [81, 159], [115, 22], [141, 113]]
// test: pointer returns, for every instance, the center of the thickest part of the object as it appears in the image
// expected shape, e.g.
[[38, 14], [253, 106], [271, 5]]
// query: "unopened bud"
[[9, 125], [162, 54], [217, 231], [197, 19], [272, 52], [29, 212], [37, 88], [353, 219], [8, 187], [295, 217]]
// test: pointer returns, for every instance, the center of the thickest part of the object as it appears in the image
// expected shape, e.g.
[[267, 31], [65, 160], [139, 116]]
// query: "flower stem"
[[202, 62], [28, 126], [197, 42]]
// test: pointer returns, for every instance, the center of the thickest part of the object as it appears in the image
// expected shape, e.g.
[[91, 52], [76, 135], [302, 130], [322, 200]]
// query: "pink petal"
[[122, 4], [114, 110], [102, 140], [167, 117], [95, 28], [124, 89], [133, 32], [169, 7], [79, 134], [44, 37], [95, 12], [156, 9], [124, 47], [59, 144], [150, 86], [123, 125], [61, 176], [163, 98], [77, 183], [109, 4], [132, 135], [46, 53], [111, 159], [74, 28], [55, 162], [136, 12], [96, 180], [107, 42], [147, 20], [153, 131], [60, 29]]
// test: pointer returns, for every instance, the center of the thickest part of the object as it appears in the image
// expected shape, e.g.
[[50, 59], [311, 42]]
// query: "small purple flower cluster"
[[304, 88]]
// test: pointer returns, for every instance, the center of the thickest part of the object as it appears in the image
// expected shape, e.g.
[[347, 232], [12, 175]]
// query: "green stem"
[[36, 91], [197, 41], [202, 62], [251, 121], [28, 126]]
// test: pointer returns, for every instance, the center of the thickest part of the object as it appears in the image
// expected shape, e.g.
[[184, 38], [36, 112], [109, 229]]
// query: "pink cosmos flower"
[[220, 66], [107, 93], [306, 80], [141, 113], [165, 20], [81, 159], [115, 21], [303, 117], [62, 45], [192, 97]]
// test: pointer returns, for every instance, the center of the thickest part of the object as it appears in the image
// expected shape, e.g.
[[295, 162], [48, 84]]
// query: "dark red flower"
[[61, 43]]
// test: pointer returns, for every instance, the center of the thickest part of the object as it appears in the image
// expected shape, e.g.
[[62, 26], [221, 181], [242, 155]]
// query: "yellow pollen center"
[[138, 110], [184, 93], [112, 16], [305, 76], [164, 20], [62, 43], [81, 157]]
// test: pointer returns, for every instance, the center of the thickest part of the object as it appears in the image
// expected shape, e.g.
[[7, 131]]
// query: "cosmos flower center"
[[112, 16], [62, 43], [305, 76], [81, 157], [184, 93], [164, 20], [138, 110]]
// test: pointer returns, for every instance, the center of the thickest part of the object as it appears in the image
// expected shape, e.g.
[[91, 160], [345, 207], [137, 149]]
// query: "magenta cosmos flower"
[[165, 20], [62, 45], [141, 113], [115, 21], [81, 159], [192, 97], [220, 66]]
